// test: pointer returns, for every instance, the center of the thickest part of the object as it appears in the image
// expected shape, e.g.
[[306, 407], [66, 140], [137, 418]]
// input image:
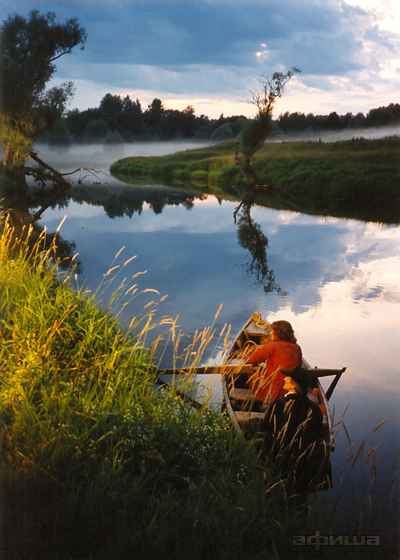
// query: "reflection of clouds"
[[319, 252], [366, 290], [342, 278], [287, 217], [305, 253], [378, 279]]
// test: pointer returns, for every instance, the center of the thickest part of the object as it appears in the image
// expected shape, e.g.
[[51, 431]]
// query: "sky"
[[212, 53]]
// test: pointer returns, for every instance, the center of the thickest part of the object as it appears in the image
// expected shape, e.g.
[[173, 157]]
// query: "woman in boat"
[[282, 352]]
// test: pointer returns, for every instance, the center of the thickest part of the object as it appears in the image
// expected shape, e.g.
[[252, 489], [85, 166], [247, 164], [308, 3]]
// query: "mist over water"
[[372, 133], [102, 156]]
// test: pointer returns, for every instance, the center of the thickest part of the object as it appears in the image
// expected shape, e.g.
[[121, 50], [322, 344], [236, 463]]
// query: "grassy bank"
[[95, 462], [356, 178], [98, 464]]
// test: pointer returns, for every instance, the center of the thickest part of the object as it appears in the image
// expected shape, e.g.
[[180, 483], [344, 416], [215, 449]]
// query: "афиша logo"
[[318, 540]]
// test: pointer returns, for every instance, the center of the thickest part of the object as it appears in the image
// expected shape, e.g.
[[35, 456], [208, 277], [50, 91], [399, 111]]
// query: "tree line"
[[299, 122], [121, 119]]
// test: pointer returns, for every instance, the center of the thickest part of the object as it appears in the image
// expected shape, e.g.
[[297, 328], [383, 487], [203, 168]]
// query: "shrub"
[[59, 134], [96, 131], [199, 175], [224, 175]]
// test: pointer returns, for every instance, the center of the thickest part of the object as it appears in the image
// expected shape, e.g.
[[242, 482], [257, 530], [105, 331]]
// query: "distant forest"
[[119, 120]]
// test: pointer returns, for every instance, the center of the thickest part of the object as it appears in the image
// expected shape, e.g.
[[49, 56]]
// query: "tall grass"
[[99, 462], [94, 458]]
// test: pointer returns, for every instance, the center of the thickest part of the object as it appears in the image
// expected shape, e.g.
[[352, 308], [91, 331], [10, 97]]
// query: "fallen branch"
[[57, 175], [46, 172], [61, 176]]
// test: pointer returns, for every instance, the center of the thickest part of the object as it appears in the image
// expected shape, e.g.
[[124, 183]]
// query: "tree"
[[154, 117], [256, 130], [110, 109], [111, 105], [59, 134], [223, 132], [333, 121], [156, 107], [380, 116], [130, 120], [29, 48], [96, 131]]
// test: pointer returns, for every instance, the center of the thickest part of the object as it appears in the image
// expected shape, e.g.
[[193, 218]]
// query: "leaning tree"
[[256, 130], [29, 48]]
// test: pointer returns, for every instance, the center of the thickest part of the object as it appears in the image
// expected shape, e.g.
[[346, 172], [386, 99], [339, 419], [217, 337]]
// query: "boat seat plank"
[[243, 416], [246, 368], [226, 369], [242, 394]]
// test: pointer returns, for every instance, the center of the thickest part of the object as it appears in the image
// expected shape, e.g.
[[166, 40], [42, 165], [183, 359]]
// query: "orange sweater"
[[268, 384]]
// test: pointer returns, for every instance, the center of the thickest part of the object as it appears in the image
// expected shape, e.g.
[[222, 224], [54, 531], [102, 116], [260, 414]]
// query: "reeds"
[[99, 462], [86, 437]]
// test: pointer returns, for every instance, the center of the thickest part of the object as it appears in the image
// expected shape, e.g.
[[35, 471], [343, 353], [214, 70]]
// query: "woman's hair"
[[282, 330]]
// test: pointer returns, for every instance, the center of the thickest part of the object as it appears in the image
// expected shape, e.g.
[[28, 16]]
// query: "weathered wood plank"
[[223, 370]]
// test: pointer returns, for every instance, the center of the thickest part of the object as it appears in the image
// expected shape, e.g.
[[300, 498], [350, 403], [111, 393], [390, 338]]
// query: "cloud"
[[215, 47], [185, 33]]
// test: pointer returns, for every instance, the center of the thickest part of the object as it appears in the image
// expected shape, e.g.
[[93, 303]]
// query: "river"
[[336, 280]]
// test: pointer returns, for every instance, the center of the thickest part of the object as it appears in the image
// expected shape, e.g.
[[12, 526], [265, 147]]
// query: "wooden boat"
[[241, 404], [227, 384]]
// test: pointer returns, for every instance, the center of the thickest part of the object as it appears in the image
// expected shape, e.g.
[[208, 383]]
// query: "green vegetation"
[[98, 463], [95, 461], [182, 164], [29, 47], [356, 178]]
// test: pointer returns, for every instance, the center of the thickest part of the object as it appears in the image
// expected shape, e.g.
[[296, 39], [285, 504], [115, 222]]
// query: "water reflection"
[[27, 207], [127, 201], [251, 237], [337, 281], [23, 209]]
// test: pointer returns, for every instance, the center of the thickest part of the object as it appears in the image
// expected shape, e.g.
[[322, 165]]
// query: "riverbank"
[[356, 179], [95, 463]]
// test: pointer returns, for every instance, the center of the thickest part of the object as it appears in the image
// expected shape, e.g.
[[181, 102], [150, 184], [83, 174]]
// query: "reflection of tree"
[[252, 238], [127, 201], [17, 203], [131, 200]]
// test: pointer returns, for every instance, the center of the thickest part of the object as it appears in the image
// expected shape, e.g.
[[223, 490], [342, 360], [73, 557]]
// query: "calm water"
[[336, 281]]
